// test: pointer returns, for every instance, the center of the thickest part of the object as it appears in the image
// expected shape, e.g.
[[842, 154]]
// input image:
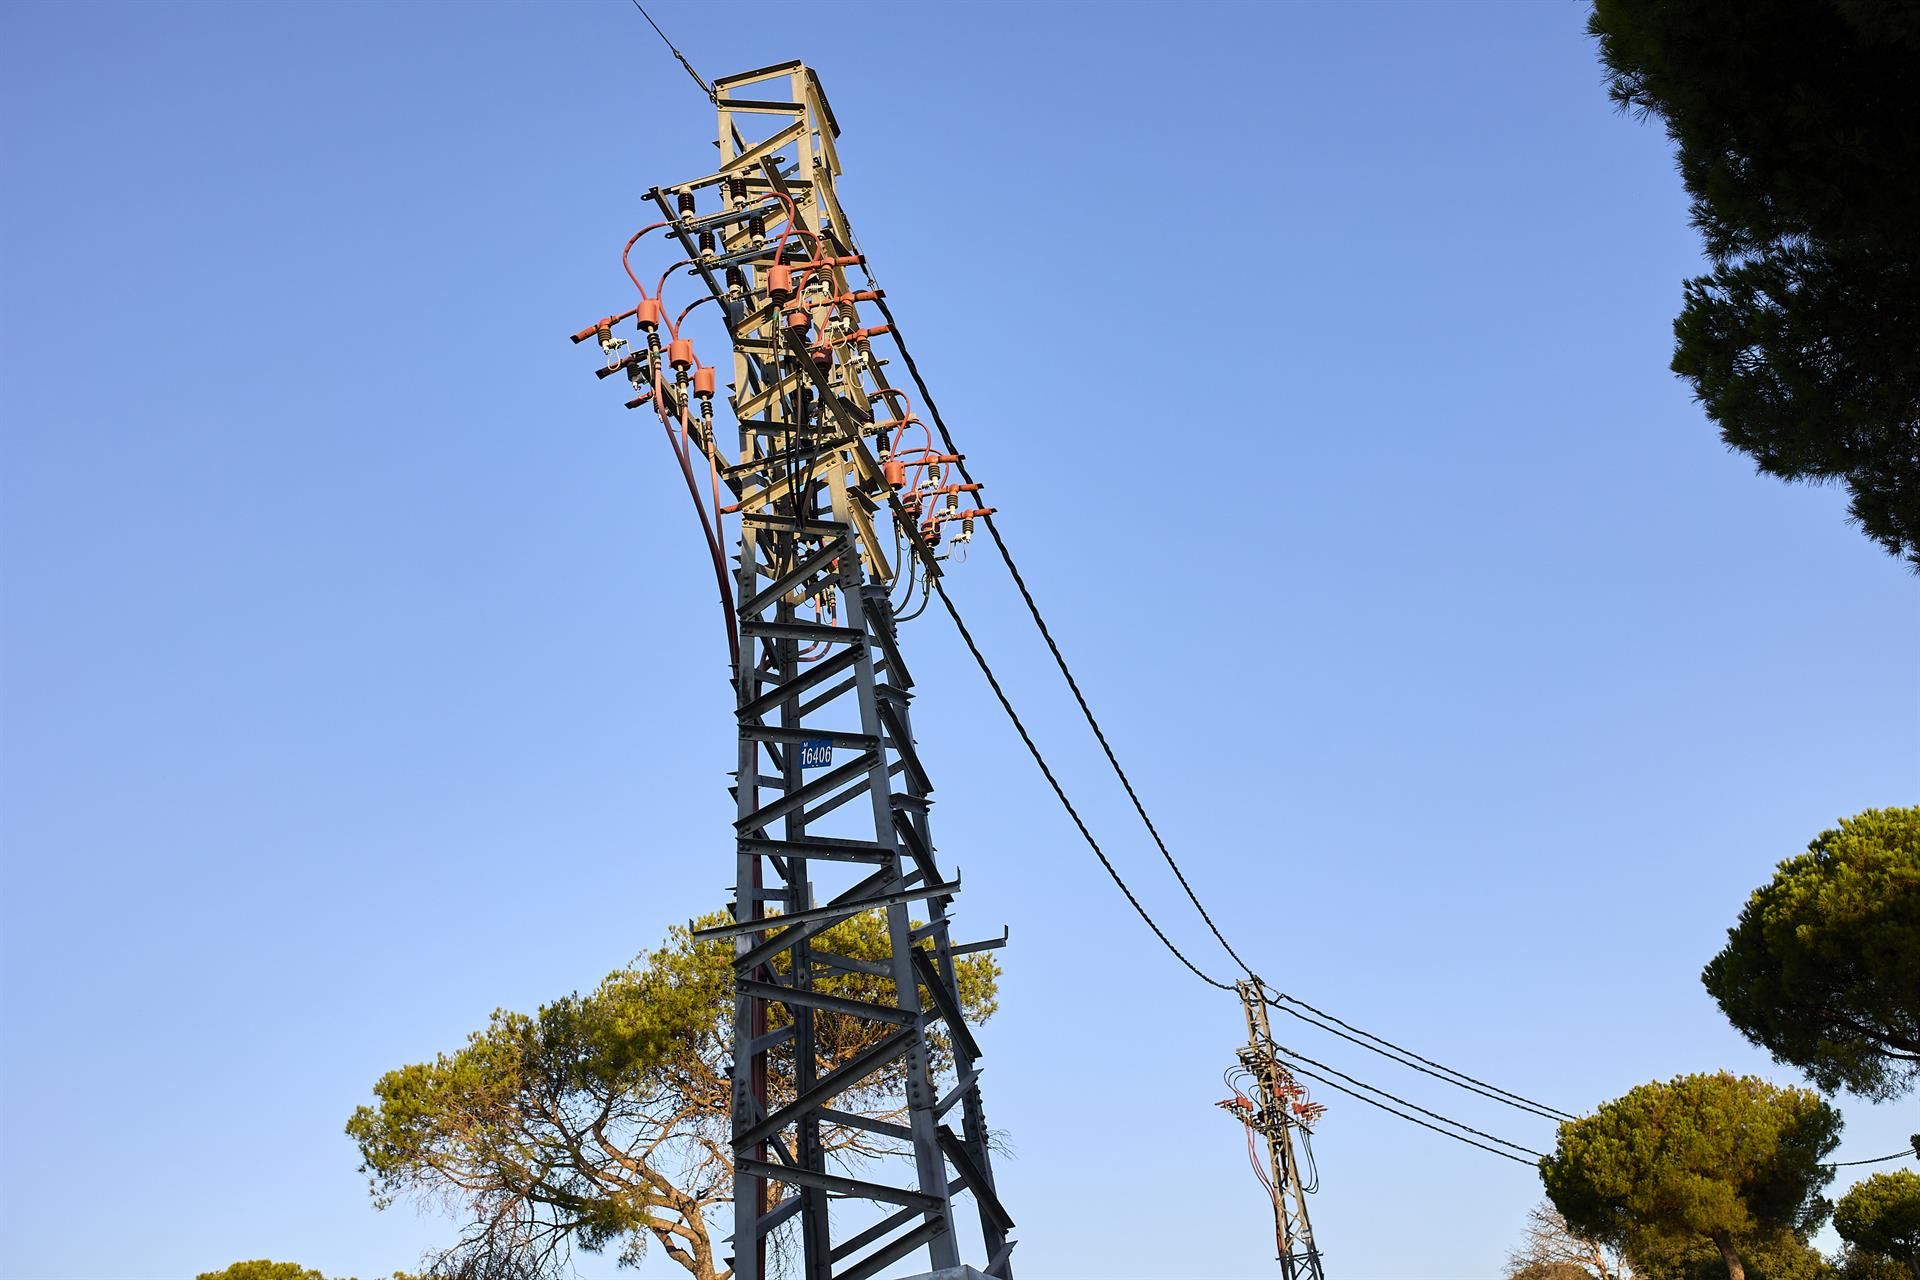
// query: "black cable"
[[933, 411], [1497, 1094], [1283, 1052], [986, 670], [704, 86], [1422, 1123], [1505, 1155], [1847, 1164]]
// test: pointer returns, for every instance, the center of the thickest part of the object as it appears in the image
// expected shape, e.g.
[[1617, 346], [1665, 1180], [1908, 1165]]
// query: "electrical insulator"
[[966, 528], [933, 477], [703, 382], [706, 243], [736, 284], [953, 504], [684, 200], [680, 354], [757, 230], [780, 282], [647, 314], [894, 471], [799, 321], [737, 192]]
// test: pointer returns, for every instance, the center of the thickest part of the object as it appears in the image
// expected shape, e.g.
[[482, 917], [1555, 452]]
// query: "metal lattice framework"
[[837, 512], [1278, 1108]]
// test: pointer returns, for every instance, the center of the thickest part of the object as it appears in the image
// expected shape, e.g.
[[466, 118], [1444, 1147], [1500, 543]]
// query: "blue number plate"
[[816, 754]]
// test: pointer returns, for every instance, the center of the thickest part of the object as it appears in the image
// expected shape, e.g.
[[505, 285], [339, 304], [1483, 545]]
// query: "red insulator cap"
[[648, 313], [703, 381], [895, 472], [798, 319], [780, 282], [680, 353]]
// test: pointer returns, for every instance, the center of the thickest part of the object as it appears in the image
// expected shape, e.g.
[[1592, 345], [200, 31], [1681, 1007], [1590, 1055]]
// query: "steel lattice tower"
[[832, 799], [1278, 1108]]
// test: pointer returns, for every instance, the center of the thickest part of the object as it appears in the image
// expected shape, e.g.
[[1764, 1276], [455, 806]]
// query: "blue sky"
[[359, 675]]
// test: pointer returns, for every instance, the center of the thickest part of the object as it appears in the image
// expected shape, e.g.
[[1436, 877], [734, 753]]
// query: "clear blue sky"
[[359, 673]]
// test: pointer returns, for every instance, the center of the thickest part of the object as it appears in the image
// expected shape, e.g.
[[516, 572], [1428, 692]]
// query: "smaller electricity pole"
[[1278, 1106]]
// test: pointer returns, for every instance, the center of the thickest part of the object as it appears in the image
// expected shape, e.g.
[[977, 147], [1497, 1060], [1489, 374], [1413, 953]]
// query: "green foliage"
[[1823, 968], [1796, 138], [1857, 1264], [1881, 1216], [602, 1120], [1707, 1160], [1780, 1256], [1552, 1271], [261, 1269]]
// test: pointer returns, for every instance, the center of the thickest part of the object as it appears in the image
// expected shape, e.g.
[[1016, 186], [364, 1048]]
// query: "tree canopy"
[[1881, 1216], [1823, 967], [603, 1120], [1797, 127], [262, 1269], [1721, 1160]]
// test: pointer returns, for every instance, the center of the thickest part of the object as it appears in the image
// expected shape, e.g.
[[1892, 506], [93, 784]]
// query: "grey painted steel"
[[820, 664], [784, 702]]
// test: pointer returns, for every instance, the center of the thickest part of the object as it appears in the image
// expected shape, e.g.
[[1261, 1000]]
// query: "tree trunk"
[[1736, 1270]]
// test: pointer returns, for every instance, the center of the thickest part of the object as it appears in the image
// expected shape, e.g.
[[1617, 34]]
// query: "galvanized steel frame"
[[811, 501]]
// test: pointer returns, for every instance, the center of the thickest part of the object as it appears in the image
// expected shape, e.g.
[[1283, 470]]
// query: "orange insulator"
[[680, 353], [703, 381], [798, 319], [780, 282], [895, 472], [647, 314]]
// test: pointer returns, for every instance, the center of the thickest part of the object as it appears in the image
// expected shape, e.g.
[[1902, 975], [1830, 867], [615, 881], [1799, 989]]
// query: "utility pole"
[[1279, 1106], [841, 515]]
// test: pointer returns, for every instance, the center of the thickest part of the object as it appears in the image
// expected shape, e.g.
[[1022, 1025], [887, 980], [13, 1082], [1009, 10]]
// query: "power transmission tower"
[[1279, 1106], [839, 507]]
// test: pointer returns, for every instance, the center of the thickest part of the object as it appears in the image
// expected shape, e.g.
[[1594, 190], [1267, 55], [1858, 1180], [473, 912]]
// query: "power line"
[[1059, 792], [1847, 1164], [933, 411], [1458, 1079], [1285, 1054], [697, 79], [1470, 1083], [987, 670], [1505, 1155]]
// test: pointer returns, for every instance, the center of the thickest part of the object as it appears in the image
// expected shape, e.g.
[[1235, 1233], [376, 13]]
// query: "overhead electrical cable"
[[1039, 621], [1392, 1051], [1463, 1081], [1505, 1155], [1287, 1055], [697, 77], [1848, 1164], [987, 670]]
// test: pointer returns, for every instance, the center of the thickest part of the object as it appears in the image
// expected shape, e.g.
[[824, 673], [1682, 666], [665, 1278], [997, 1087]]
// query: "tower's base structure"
[[858, 1133]]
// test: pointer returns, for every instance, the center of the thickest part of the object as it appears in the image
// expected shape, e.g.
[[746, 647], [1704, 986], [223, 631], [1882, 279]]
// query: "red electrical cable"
[[700, 509], [629, 249]]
